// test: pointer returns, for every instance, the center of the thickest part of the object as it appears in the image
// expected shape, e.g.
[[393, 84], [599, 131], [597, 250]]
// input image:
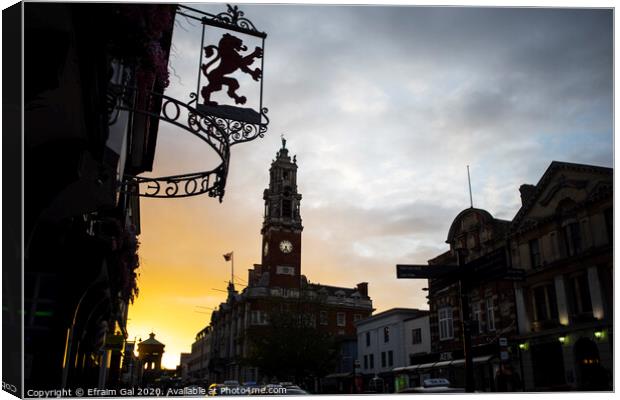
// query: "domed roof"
[[484, 215], [152, 340]]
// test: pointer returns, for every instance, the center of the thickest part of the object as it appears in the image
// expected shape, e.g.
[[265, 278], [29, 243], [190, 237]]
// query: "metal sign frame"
[[220, 130]]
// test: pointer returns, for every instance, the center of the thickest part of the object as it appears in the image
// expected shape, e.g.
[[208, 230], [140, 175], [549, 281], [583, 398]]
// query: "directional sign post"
[[455, 273], [491, 266], [424, 271]]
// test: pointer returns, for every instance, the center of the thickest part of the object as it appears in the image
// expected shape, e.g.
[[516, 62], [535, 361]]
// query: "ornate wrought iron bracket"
[[219, 125], [220, 132], [232, 19]]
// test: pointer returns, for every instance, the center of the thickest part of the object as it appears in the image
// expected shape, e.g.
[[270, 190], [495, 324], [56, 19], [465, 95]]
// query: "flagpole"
[[232, 271]]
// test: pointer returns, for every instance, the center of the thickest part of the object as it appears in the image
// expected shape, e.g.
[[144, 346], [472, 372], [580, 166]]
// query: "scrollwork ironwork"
[[186, 185], [218, 132], [232, 19], [220, 127]]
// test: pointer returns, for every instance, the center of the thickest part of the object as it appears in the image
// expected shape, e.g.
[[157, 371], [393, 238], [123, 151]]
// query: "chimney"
[[363, 288], [527, 191]]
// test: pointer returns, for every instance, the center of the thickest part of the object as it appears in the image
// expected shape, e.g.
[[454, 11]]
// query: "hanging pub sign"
[[230, 75], [225, 109]]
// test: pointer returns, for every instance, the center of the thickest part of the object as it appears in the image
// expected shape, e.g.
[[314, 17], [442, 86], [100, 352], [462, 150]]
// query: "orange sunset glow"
[[183, 272], [382, 156]]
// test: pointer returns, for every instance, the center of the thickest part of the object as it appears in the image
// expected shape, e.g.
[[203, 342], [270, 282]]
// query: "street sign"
[[490, 266], [424, 271], [503, 342]]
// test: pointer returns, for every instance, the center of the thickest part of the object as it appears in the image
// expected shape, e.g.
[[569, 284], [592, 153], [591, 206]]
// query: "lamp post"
[[466, 326]]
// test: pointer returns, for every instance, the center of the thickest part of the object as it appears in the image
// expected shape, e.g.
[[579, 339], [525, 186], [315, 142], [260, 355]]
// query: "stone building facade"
[[563, 238], [196, 363], [541, 295]]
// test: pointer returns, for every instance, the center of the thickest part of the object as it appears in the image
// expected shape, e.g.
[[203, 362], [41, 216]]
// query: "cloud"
[[384, 108]]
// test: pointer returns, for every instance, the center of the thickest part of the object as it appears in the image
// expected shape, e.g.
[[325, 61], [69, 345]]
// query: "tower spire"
[[282, 227]]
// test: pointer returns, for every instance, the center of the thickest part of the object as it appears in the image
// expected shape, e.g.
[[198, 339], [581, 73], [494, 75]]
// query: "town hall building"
[[277, 285]]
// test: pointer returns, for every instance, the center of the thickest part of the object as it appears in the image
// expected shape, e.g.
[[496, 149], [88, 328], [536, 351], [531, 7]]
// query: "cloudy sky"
[[384, 108]]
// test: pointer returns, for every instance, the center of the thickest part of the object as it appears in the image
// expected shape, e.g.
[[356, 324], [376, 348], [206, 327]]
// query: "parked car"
[[294, 390], [435, 385]]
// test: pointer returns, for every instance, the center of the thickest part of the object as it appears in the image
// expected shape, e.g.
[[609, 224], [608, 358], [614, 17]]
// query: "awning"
[[442, 364], [339, 375], [476, 360]]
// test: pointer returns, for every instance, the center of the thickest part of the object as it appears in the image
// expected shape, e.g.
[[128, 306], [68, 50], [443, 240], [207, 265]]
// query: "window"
[[609, 224], [287, 208], [581, 301], [545, 305], [554, 245], [309, 320], [476, 311], [416, 336], [572, 234], [390, 358], [258, 317], [445, 323], [323, 317], [366, 362], [490, 314], [535, 258], [367, 339], [285, 270], [357, 317], [383, 359], [341, 319], [371, 360], [386, 334], [254, 318]]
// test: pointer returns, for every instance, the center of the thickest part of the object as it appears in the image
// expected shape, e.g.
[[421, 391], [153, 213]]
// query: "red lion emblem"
[[227, 52]]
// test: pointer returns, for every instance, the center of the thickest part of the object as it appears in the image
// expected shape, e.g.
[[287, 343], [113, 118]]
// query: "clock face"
[[266, 250], [286, 246]]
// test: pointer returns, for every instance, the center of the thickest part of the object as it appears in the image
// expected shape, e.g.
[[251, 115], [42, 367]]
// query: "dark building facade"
[[475, 237], [562, 237], [80, 228], [278, 287], [541, 296]]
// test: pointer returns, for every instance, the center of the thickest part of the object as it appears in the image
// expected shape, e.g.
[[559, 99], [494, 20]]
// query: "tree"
[[291, 347]]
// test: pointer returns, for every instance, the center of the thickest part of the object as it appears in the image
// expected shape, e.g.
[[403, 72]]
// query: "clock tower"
[[281, 251]]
